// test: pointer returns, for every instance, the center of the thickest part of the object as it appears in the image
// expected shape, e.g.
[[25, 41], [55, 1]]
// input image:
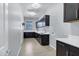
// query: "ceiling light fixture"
[[36, 5]]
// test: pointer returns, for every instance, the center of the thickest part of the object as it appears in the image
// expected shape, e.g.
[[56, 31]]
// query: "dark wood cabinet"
[[71, 11], [44, 21], [29, 34], [43, 39], [74, 51], [47, 20], [64, 49]]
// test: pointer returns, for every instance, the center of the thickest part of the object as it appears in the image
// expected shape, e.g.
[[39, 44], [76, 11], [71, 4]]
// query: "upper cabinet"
[[71, 12], [44, 21]]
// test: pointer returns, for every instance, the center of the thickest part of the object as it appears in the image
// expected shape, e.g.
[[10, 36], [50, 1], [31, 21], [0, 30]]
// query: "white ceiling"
[[31, 13]]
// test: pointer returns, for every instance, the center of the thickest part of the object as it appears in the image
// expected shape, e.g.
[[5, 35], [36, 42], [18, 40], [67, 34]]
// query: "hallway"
[[31, 47]]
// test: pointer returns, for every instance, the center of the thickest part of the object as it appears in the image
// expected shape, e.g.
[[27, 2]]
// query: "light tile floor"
[[31, 47]]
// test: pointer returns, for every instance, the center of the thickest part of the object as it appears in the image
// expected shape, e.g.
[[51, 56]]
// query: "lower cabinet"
[[43, 39], [64, 49], [29, 34], [73, 54], [74, 51]]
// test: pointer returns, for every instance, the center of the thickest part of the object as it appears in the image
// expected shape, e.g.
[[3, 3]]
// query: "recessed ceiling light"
[[36, 5]]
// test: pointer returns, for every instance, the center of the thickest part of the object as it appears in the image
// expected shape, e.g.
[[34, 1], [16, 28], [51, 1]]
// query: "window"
[[28, 25]]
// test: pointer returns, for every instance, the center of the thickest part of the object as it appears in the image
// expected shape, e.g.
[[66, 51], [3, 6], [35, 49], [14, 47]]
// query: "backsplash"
[[43, 29]]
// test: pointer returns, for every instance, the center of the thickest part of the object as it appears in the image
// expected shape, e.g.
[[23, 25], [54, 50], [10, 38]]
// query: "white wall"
[[15, 30], [1, 25], [3, 38], [6, 26], [57, 26], [75, 29]]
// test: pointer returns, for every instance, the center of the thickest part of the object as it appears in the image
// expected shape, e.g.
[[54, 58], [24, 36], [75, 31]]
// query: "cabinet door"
[[73, 54], [74, 51], [61, 49], [47, 19], [45, 39], [70, 11]]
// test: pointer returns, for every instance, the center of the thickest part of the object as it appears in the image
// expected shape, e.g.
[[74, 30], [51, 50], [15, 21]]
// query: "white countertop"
[[72, 40], [42, 32], [28, 31], [37, 32]]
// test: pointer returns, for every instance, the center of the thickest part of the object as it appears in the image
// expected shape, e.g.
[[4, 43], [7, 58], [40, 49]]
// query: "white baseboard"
[[20, 48], [19, 51]]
